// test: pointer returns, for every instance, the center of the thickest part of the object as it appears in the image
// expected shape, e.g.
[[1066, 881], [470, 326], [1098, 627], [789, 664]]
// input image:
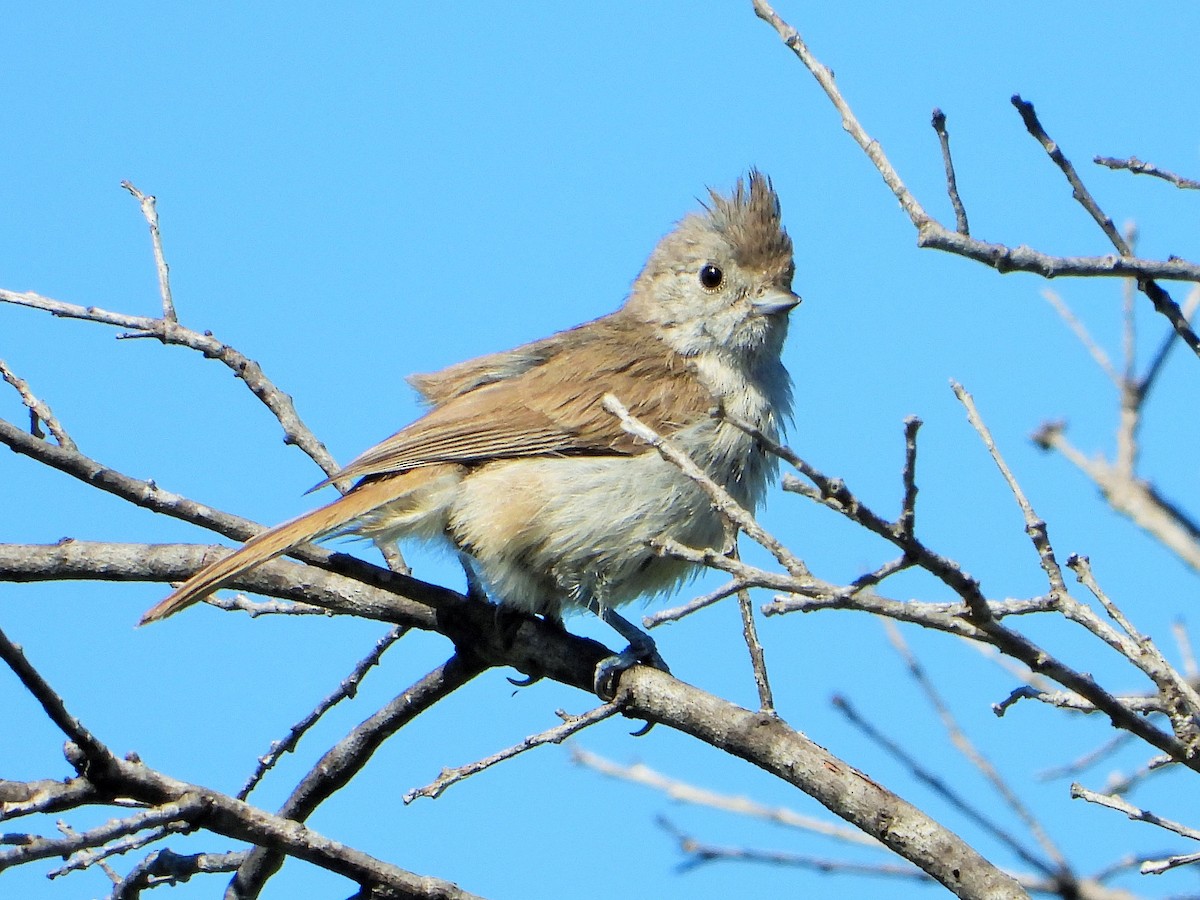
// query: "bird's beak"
[[774, 302]]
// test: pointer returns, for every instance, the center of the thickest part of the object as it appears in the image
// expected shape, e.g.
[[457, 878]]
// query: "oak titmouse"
[[522, 469]]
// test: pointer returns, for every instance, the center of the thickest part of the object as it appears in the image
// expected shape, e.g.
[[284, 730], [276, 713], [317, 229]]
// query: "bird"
[[520, 468]]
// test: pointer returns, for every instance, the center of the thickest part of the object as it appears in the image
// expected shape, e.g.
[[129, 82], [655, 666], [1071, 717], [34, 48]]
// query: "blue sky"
[[350, 196]]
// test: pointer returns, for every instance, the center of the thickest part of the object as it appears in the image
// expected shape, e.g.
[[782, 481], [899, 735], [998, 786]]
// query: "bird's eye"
[[711, 277]]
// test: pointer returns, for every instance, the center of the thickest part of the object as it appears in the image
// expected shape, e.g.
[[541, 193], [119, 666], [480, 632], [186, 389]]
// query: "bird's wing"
[[439, 387], [553, 406]]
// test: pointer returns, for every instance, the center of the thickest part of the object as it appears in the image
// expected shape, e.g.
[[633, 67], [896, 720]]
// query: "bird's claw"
[[526, 681], [609, 670]]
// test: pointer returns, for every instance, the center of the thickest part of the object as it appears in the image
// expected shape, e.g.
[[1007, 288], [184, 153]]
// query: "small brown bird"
[[519, 466]]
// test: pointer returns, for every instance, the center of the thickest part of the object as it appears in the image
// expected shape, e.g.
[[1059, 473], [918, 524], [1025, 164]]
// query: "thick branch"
[[769, 743], [241, 821]]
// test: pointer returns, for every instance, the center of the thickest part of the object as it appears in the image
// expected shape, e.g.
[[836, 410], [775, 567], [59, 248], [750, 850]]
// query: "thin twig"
[[907, 520], [255, 608], [1035, 526], [1087, 760], [1158, 866], [349, 755], [1122, 784], [932, 234], [347, 688], [1130, 496], [1034, 126], [280, 404], [571, 725], [935, 782], [38, 411], [1184, 644], [101, 862], [960, 212], [1138, 704], [684, 792], [1180, 699], [93, 750], [150, 211], [699, 853], [122, 835], [733, 511], [1158, 296], [1164, 349], [833, 494], [1085, 337], [968, 749], [675, 613], [1137, 167], [758, 662], [1079, 792]]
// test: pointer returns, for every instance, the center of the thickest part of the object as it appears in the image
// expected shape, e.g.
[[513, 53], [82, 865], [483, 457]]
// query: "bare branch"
[[1158, 296], [1079, 792], [120, 835], [960, 212], [1180, 700], [240, 821], [94, 751], [967, 748], [342, 585], [150, 211], [770, 744], [1034, 126], [23, 798], [1035, 527], [932, 234], [348, 757], [907, 520], [165, 867], [169, 332], [1130, 496], [725, 504], [38, 411], [700, 852], [1085, 338], [571, 725], [1139, 705], [1087, 760], [1137, 167], [938, 785], [675, 613], [682, 791], [1164, 350], [758, 662], [1158, 866], [347, 688]]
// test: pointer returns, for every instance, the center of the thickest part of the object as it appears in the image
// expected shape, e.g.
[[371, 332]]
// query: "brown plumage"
[[519, 442], [550, 408]]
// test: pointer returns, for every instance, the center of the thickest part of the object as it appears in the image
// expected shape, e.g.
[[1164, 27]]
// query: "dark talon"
[[643, 731], [524, 682]]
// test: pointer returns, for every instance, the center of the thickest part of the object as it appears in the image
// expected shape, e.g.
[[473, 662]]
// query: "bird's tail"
[[274, 541]]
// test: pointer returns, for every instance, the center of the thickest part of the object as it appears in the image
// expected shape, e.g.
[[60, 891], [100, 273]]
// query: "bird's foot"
[[609, 670]]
